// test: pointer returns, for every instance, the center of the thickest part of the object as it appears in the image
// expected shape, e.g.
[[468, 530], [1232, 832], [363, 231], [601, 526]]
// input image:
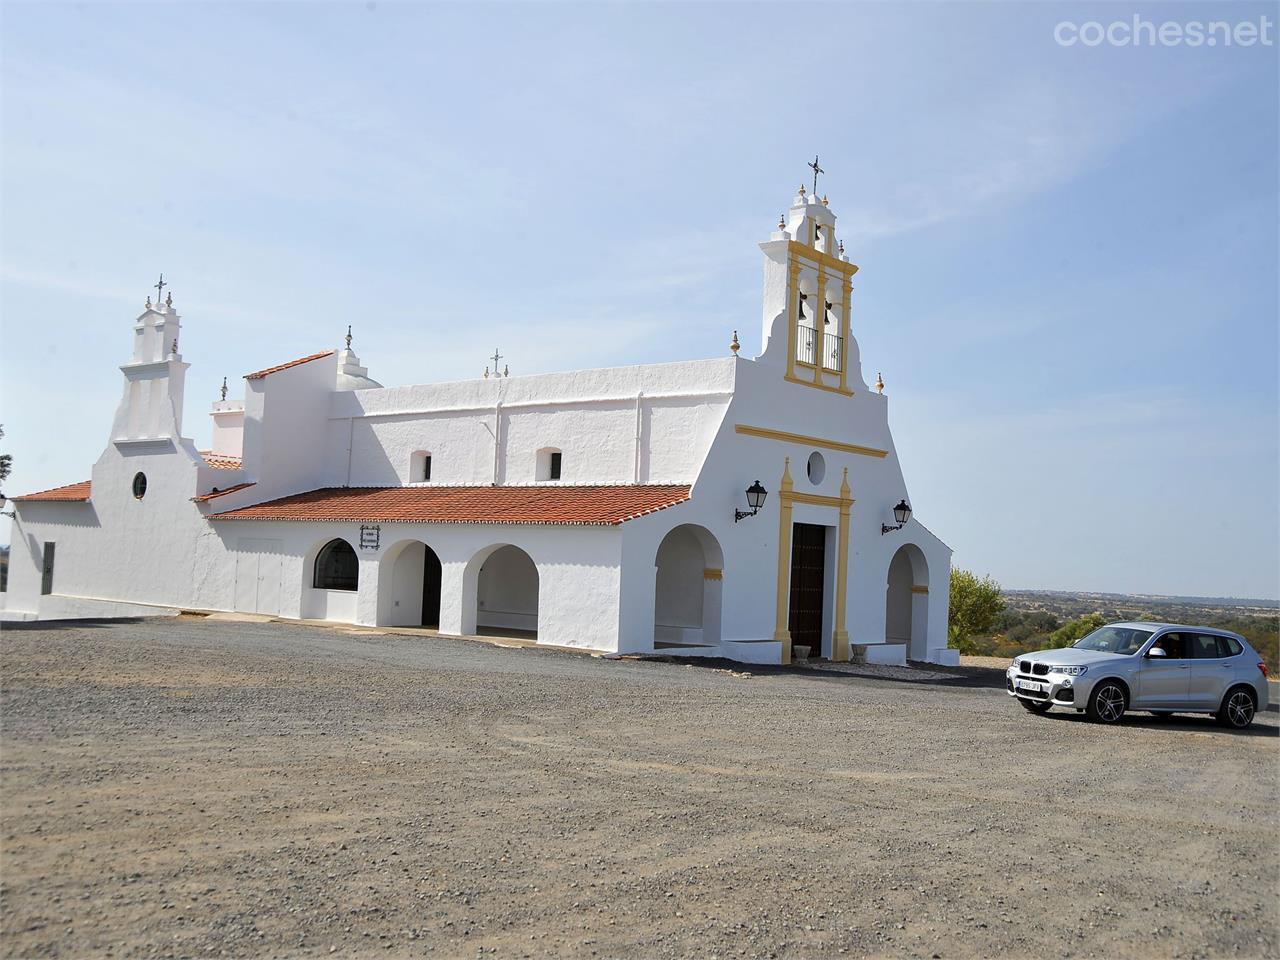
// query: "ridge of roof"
[[70, 493], [215, 492], [588, 504], [259, 374], [221, 461]]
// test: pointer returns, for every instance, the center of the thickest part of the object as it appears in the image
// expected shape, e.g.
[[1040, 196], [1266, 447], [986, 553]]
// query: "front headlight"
[[1070, 671]]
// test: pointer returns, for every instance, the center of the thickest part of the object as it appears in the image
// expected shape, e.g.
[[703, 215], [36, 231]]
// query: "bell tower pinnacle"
[[808, 286], [154, 377]]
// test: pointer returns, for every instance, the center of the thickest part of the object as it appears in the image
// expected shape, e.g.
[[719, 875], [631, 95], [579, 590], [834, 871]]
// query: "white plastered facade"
[[812, 568]]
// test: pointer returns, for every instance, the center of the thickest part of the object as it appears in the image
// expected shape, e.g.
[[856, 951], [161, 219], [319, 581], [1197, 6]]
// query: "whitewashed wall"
[[646, 424]]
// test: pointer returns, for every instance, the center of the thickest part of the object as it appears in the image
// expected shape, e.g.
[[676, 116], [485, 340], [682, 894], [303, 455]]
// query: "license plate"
[[1029, 685]]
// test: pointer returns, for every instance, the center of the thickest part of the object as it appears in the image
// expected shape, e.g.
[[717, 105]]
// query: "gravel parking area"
[[187, 787]]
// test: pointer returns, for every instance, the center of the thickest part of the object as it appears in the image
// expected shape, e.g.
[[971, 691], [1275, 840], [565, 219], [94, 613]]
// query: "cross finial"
[[224, 388], [816, 170], [348, 336], [160, 288], [495, 358]]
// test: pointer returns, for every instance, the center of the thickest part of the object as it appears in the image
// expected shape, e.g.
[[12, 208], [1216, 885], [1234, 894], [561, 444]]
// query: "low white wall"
[[336, 605]]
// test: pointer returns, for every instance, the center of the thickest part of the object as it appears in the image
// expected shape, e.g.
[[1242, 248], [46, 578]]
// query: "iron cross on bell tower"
[[816, 170]]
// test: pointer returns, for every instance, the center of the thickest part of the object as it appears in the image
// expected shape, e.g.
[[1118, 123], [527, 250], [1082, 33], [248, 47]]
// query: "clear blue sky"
[[1069, 255]]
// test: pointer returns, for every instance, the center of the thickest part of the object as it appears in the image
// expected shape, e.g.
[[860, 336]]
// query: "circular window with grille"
[[139, 485]]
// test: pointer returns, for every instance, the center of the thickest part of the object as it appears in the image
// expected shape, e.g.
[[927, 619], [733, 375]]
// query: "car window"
[[1121, 640], [1174, 645], [1205, 647], [1230, 647]]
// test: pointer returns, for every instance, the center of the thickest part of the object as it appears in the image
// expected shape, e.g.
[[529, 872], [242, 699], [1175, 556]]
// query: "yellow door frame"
[[787, 497]]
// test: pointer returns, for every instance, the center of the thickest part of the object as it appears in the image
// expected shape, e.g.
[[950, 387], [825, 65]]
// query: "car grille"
[[1033, 669]]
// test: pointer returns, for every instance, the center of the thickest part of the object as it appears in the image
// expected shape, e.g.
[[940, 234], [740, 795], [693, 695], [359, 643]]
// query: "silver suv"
[[1162, 668]]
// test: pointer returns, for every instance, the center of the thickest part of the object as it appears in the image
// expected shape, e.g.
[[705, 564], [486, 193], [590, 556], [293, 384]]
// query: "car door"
[[1165, 681], [1211, 670]]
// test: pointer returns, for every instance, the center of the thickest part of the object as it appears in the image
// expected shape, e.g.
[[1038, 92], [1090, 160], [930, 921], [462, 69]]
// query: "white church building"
[[748, 508]]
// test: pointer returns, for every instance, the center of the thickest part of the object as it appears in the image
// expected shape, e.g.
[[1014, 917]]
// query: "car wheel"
[[1238, 708], [1108, 702], [1036, 706]]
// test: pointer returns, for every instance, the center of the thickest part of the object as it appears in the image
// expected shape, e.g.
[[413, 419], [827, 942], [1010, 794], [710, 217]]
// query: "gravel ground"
[[193, 788]]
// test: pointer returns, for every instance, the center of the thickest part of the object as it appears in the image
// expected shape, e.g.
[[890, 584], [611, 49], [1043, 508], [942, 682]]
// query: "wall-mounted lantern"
[[901, 513], [755, 500]]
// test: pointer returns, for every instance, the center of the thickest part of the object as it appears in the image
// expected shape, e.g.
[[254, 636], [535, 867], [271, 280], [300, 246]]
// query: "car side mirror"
[[1157, 652]]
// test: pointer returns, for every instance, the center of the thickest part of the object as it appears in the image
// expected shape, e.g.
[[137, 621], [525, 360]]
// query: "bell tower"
[[808, 285], [154, 377]]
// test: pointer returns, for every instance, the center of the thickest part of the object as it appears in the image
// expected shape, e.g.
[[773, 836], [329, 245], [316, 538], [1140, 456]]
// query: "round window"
[[816, 468], [139, 485]]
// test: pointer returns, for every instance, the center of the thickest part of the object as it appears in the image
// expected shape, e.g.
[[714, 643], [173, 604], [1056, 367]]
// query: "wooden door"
[[808, 578]]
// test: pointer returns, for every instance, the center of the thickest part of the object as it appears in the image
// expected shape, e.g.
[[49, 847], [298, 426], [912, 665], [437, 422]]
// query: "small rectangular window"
[[46, 581], [555, 466], [426, 467]]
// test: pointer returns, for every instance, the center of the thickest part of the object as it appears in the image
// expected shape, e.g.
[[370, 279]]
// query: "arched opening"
[[689, 570], [409, 586], [505, 583], [336, 567], [331, 588], [906, 616]]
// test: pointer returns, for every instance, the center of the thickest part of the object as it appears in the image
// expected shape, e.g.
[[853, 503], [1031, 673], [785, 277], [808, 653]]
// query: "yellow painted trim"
[[840, 636], [787, 497], [821, 258], [820, 333], [846, 293], [781, 632], [915, 589], [710, 574], [766, 434], [820, 386], [817, 499]]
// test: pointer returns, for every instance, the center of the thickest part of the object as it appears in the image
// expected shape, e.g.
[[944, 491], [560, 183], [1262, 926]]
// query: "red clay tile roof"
[[71, 493], [221, 461], [595, 505], [215, 493], [259, 374]]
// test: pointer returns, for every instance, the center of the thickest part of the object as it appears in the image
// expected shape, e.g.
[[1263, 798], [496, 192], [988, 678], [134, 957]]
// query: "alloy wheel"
[[1240, 709], [1110, 703]]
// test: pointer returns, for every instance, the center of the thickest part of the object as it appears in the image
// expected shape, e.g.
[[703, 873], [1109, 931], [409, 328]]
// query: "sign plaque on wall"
[[370, 537]]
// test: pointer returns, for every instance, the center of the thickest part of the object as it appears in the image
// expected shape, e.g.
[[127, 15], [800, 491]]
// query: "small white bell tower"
[[154, 377], [808, 286]]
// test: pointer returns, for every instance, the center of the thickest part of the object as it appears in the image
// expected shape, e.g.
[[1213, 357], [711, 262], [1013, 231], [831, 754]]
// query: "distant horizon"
[[1256, 601]]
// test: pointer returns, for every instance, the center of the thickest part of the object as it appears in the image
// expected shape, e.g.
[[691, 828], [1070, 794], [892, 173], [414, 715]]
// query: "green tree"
[[6, 461], [975, 606], [1073, 630]]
